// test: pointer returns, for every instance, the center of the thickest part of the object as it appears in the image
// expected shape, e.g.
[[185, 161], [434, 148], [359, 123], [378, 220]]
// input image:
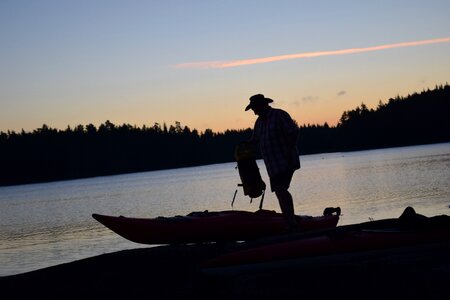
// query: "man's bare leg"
[[287, 207]]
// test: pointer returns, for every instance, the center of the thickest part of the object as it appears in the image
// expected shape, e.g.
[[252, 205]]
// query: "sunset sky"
[[197, 62]]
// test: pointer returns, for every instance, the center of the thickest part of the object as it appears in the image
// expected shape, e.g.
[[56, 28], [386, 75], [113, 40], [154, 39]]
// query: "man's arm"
[[292, 139], [254, 139]]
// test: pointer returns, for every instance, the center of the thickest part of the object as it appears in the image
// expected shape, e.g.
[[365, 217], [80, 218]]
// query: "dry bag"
[[252, 182]]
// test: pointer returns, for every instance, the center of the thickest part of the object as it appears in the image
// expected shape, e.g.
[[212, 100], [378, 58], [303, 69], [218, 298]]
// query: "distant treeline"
[[48, 154]]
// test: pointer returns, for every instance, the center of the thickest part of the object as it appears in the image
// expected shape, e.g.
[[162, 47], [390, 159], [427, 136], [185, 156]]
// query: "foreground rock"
[[168, 272]]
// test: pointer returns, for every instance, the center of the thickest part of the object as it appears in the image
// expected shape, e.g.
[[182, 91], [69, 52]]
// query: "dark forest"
[[48, 154]]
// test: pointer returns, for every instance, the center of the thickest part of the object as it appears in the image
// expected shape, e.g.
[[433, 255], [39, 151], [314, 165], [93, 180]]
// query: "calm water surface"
[[47, 224]]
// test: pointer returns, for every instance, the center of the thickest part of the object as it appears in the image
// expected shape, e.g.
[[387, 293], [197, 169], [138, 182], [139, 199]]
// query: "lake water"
[[50, 223]]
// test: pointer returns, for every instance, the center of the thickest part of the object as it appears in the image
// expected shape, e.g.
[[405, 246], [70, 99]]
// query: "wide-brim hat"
[[258, 99]]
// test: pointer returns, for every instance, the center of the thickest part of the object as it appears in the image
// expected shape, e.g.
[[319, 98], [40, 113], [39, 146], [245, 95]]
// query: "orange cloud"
[[253, 61]]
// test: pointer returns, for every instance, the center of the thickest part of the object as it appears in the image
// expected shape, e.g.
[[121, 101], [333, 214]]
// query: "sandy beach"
[[175, 271]]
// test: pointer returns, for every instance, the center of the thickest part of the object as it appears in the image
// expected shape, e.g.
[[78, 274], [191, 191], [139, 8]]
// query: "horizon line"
[[262, 60]]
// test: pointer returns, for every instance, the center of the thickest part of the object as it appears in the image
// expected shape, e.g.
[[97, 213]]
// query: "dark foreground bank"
[[168, 272]]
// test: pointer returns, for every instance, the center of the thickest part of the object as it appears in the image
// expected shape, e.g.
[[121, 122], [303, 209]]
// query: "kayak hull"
[[383, 234], [206, 226]]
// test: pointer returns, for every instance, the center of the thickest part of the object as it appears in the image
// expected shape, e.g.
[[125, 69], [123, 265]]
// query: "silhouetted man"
[[277, 135]]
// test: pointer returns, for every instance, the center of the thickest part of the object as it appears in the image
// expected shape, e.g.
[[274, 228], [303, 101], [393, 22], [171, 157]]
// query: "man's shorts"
[[281, 181]]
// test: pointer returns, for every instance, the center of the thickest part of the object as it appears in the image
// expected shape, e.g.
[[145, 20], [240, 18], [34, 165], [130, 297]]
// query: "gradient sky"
[[140, 62]]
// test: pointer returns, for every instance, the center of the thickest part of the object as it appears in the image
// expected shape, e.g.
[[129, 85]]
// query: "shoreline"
[[173, 271]]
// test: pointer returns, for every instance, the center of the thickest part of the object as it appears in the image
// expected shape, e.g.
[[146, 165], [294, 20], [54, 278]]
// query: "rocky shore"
[[175, 271]]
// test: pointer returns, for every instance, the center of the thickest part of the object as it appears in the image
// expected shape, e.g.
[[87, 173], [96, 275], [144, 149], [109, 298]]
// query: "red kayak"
[[207, 226], [375, 235]]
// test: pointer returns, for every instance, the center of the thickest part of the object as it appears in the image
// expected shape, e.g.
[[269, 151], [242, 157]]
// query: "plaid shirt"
[[272, 133]]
